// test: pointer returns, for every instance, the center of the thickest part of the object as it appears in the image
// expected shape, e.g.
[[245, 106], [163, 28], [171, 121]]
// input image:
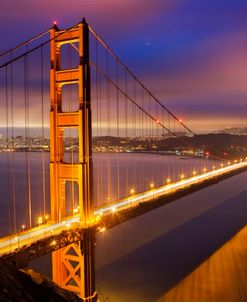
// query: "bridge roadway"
[[22, 240]]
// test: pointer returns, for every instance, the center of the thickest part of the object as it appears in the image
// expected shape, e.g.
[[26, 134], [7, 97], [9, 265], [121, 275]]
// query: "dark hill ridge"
[[225, 144], [233, 130], [220, 144], [19, 286], [223, 140]]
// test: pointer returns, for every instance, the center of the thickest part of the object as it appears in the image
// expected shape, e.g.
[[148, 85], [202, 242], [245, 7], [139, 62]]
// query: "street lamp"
[[152, 186], [40, 220], [113, 209], [18, 241]]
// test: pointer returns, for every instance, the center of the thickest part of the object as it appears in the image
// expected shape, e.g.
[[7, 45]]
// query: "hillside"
[[224, 145], [20, 286]]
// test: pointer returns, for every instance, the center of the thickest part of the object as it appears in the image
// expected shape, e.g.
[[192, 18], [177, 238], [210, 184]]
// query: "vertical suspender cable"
[[126, 130], [108, 124], [27, 140], [7, 146], [12, 140], [42, 130], [97, 88], [100, 133], [118, 172], [97, 116], [134, 121]]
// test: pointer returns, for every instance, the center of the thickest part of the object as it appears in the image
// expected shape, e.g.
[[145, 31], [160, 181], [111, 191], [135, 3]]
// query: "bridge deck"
[[17, 243]]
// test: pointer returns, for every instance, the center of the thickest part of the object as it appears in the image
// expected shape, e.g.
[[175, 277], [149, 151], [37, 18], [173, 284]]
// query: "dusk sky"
[[192, 54]]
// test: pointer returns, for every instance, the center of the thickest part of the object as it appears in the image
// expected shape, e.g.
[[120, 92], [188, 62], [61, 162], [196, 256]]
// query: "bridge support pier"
[[72, 266]]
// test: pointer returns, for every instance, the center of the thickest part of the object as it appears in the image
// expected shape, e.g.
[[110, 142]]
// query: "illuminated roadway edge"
[[10, 243]]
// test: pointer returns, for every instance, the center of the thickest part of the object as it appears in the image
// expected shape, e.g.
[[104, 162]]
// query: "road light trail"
[[10, 243]]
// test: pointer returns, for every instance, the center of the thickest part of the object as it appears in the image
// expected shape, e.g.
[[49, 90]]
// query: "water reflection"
[[222, 277], [120, 174], [116, 175]]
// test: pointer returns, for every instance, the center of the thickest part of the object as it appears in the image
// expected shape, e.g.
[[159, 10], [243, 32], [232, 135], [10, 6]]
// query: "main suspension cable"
[[137, 80], [25, 43], [128, 97], [37, 47]]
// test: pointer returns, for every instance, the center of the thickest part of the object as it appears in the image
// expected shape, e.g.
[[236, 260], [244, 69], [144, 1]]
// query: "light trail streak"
[[12, 242]]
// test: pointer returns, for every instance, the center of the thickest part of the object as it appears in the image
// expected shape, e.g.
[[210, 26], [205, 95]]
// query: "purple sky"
[[191, 54]]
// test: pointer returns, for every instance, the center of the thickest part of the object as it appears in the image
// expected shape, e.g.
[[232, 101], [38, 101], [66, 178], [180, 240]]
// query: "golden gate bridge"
[[93, 104]]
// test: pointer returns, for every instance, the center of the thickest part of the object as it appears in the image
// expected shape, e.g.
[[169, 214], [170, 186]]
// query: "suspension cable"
[[25, 43], [138, 81], [128, 97], [173, 133], [12, 144], [37, 47], [42, 131], [7, 143], [28, 168]]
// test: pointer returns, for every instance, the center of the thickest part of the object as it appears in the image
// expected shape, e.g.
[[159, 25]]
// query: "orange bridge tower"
[[72, 266]]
